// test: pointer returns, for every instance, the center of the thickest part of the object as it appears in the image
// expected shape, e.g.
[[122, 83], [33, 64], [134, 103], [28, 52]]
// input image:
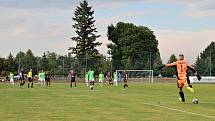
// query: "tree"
[[20, 60], [85, 29], [30, 61], [44, 62], [52, 60], [205, 61], [64, 63], [157, 63], [2, 65], [169, 72], [103, 65], [132, 47], [10, 64]]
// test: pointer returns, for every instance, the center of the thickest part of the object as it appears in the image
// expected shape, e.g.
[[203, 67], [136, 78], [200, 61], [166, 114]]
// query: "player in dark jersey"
[[21, 78], [109, 78], [181, 71], [73, 75], [125, 79], [48, 79]]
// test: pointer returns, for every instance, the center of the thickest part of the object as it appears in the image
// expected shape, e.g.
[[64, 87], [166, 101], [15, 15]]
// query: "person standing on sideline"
[[48, 79], [30, 79], [43, 77], [87, 79], [101, 79], [73, 75], [109, 78], [91, 78], [115, 79], [11, 76], [40, 78], [125, 79], [21, 78]]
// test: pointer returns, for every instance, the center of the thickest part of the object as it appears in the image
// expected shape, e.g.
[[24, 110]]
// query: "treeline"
[[205, 62], [49, 61]]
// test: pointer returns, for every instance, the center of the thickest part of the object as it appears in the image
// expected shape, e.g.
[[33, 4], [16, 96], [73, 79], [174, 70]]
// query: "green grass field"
[[141, 102]]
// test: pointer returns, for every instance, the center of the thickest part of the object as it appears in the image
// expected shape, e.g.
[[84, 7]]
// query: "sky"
[[181, 26]]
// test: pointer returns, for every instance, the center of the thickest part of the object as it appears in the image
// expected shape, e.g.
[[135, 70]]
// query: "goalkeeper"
[[181, 72]]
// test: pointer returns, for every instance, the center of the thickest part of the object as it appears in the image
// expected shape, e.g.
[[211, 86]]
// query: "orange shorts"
[[181, 83]]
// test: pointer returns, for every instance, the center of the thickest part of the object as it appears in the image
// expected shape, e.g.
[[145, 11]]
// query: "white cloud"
[[191, 43], [200, 13], [194, 8], [39, 30]]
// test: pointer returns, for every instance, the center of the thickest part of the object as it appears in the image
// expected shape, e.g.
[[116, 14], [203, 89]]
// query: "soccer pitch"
[[141, 102]]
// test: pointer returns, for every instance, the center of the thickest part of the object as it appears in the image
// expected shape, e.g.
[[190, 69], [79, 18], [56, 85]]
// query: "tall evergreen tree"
[[86, 31], [205, 62], [10, 63]]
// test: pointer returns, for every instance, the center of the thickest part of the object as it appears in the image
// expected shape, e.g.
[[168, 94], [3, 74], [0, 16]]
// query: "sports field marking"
[[173, 109]]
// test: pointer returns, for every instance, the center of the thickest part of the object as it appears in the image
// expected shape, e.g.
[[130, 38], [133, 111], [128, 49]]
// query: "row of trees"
[[49, 61]]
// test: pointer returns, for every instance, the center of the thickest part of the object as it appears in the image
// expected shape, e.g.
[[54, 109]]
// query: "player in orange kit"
[[181, 72]]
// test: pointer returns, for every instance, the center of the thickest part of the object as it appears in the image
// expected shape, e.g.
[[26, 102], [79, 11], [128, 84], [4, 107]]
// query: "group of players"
[[42, 77], [180, 65], [90, 78]]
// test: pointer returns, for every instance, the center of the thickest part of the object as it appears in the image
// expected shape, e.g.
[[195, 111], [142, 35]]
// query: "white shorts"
[[101, 80], [41, 80], [115, 80], [11, 81]]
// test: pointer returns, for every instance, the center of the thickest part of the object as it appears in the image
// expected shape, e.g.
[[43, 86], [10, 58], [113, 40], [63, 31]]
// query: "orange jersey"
[[181, 68]]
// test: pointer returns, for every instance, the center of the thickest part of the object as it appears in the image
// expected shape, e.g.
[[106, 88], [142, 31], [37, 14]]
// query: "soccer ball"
[[195, 101], [91, 87]]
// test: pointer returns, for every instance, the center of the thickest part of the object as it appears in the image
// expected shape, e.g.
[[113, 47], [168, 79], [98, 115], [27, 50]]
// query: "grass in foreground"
[[60, 102]]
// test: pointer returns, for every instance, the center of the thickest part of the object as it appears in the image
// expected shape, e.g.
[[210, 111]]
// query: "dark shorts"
[[72, 79], [21, 78], [30, 79], [48, 79], [92, 82]]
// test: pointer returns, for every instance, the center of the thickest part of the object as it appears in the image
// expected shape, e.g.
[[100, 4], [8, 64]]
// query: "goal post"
[[136, 75]]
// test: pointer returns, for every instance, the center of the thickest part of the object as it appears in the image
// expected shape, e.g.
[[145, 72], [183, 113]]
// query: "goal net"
[[136, 75]]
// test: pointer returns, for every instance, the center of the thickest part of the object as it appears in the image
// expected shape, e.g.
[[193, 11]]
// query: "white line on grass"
[[173, 109]]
